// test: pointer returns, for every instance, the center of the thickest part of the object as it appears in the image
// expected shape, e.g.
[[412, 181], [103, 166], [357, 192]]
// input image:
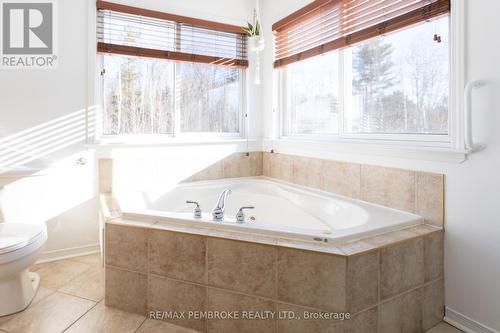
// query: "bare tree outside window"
[[400, 82], [210, 98], [140, 97]]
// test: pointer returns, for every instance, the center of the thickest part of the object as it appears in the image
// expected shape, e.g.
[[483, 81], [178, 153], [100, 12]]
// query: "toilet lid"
[[17, 235]]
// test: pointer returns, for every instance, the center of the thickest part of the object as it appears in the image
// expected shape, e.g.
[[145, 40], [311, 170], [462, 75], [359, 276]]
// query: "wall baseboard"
[[71, 252], [465, 323]]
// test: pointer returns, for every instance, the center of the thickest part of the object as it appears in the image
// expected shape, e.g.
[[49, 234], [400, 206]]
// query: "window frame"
[[451, 140], [177, 135]]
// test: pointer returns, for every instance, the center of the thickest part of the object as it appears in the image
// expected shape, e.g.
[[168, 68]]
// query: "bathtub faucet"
[[218, 211]]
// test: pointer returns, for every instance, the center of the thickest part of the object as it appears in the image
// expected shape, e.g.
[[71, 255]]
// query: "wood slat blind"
[[140, 32], [326, 25]]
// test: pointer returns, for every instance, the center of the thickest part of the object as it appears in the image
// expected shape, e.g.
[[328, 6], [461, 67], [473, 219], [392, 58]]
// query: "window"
[[147, 96], [312, 89], [138, 96], [209, 98], [365, 70], [169, 75], [399, 84], [395, 84]]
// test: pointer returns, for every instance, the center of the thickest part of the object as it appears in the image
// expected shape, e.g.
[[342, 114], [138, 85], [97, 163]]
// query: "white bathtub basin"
[[281, 210]]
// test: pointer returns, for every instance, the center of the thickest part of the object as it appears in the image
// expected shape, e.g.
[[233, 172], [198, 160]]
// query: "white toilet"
[[20, 246]]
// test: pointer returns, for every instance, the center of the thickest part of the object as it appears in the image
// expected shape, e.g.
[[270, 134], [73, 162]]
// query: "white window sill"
[[168, 143], [353, 151], [362, 151]]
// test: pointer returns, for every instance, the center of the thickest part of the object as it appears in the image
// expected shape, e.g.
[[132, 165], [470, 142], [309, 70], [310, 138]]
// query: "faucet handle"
[[240, 216], [197, 209]]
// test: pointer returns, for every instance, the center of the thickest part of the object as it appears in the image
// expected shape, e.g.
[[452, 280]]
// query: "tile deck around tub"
[[387, 282], [348, 249], [56, 310], [399, 271]]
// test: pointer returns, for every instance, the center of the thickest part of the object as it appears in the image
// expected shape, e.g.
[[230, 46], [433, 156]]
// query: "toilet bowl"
[[20, 247]]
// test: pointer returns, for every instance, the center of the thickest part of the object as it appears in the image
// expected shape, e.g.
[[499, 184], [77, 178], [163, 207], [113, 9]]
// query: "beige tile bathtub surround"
[[433, 303], [401, 267], [241, 165], [105, 171], [429, 200], [166, 294], [402, 313], [393, 188], [214, 171], [179, 256], [301, 326], [312, 279], [278, 166], [383, 287], [364, 322], [232, 166], [126, 247], [222, 300], [362, 281], [308, 171], [390, 283], [126, 290], [241, 266], [434, 255], [342, 178], [413, 191]]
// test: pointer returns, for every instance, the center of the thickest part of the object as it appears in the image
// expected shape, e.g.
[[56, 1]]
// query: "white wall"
[[472, 257], [42, 127]]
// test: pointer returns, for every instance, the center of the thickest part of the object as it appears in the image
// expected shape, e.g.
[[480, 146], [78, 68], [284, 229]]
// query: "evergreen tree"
[[372, 76]]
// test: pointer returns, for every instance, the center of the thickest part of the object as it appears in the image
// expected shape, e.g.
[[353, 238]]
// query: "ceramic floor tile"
[[53, 314], [105, 319], [40, 295], [157, 326], [56, 274], [444, 328], [89, 284]]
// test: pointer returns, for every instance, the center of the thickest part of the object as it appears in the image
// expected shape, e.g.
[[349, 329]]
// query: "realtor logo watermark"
[[28, 34]]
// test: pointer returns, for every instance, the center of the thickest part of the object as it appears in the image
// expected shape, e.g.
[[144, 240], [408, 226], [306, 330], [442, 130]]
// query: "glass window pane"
[[312, 91], [400, 82], [138, 96], [209, 98]]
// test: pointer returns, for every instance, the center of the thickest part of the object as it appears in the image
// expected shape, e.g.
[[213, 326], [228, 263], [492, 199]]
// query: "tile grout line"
[[74, 322], [379, 273], [81, 297], [148, 248], [276, 292], [206, 279], [140, 325]]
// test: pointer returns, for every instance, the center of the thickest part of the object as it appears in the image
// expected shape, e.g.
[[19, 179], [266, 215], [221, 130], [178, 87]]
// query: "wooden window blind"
[[326, 25], [132, 31]]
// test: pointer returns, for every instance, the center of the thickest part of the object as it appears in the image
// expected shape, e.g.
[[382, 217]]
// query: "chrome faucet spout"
[[218, 211]]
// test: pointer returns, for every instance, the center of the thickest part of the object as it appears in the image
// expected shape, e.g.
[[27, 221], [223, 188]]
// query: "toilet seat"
[[17, 235], [19, 239]]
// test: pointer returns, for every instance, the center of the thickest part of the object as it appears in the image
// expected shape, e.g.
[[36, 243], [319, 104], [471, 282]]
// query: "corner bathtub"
[[281, 210]]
